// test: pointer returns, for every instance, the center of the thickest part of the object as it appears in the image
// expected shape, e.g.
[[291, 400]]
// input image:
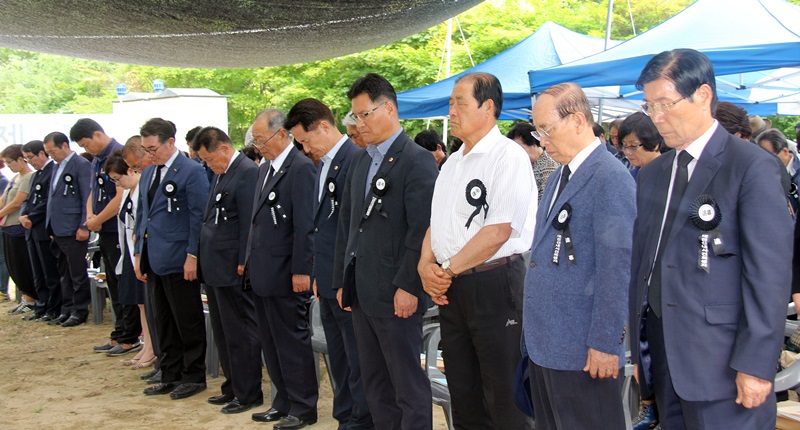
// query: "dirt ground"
[[50, 378]]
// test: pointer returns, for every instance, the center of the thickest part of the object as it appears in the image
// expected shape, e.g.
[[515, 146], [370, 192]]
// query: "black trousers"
[[18, 262], [398, 390], [75, 293], [45, 277], [481, 329], [350, 406], [181, 327], [677, 414], [286, 343], [572, 400], [110, 253], [233, 320]]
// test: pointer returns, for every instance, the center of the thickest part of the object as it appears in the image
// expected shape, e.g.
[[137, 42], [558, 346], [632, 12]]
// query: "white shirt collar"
[[695, 149], [233, 158], [169, 162], [485, 144], [330, 155], [581, 156], [278, 161]]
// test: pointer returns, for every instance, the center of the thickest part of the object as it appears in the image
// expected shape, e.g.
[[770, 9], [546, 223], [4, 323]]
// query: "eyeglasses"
[[628, 147], [650, 109], [116, 181], [540, 135], [365, 115], [258, 144], [152, 151]]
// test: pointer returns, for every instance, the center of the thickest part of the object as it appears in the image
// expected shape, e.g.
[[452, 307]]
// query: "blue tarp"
[[750, 43], [549, 46]]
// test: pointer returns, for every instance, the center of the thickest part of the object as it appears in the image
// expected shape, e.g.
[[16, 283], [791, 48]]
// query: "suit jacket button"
[[352, 254], [360, 230], [316, 230], [533, 264]]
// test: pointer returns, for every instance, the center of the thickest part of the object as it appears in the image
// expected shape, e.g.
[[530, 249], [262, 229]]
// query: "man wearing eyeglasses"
[[710, 278], [575, 288], [168, 219], [32, 217], [279, 263], [385, 212]]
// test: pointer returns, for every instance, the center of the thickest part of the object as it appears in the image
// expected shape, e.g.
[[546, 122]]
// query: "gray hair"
[[274, 118], [348, 119]]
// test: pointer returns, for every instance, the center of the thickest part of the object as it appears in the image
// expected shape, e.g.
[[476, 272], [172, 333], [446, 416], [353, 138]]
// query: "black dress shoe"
[[269, 416], [222, 399], [237, 407], [46, 318], [291, 422], [73, 321], [155, 379], [105, 347], [164, 388], [188, 389], [58, 321], [31, 317]]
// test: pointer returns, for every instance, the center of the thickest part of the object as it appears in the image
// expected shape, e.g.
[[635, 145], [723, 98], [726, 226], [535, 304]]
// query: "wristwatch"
[[446, 268]]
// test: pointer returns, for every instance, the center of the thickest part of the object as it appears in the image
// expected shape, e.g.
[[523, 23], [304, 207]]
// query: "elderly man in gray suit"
[[223, 246], [576, 287]]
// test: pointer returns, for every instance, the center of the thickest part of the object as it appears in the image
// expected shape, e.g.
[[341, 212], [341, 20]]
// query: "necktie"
[[269, 176], [678, 188], [565, 172], [154, 186]]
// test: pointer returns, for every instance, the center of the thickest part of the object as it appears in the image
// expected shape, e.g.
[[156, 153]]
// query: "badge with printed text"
[[275, 206], [380, 185], [706, 216], [561, 225], [170, 189], [68, 186]]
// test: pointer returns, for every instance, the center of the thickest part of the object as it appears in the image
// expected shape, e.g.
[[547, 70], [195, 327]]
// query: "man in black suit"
[[32, 217], [312, 125], [385, 213], [280, 258], [65, 222], [223, 245], [710, 279]]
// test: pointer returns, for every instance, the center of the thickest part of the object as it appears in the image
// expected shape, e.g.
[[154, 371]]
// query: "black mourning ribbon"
[[37, 194], [170, 189], [101, 182], [68, 184], [704, 214], [330, 191], [275, 205], [218, 207], [476, 196], [561, 224], [380, 184]]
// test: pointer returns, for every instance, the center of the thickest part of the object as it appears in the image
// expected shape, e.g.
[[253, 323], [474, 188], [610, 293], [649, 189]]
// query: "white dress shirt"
[[505, 170]]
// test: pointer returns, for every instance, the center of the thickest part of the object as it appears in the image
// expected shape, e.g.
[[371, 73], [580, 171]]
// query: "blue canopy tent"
[[550, 45], [753, 45]]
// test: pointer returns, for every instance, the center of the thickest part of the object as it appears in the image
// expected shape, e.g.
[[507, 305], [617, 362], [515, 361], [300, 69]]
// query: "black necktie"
[[678, 188], [565, 172], [269, 175], [154, 186]]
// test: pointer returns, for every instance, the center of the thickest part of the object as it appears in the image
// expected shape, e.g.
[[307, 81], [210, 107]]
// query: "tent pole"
[[449, 47], [608, 23]]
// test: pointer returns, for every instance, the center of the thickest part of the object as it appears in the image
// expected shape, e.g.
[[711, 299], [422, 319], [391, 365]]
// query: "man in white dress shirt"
[[482, 219]]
